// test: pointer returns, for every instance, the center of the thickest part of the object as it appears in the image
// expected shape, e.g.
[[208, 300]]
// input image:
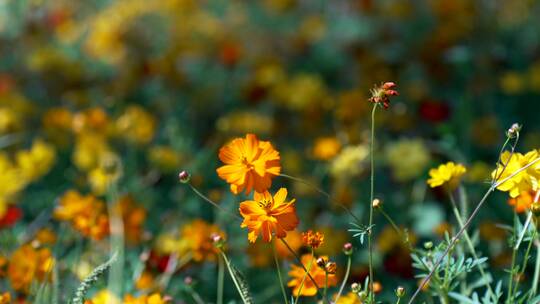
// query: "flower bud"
[[400, 291], [362, 295], [321, 262], [388, 85], [348, 249], [184, 177], [376, 203], [330, 267], [428, 245], [513, 131], [217, 240], [355, 287], [188, 280]]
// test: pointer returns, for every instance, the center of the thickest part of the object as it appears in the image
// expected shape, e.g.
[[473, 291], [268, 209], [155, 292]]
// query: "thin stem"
[[279, 273], [328, 196], [347, 272], [492, 188], [325, 284], [235, 281], [305, 276], [511, 272], [536, 275], [301, 264], [205, 198], [221, 275], [525, 261], [395, 227], [371, 195], [470, 244]]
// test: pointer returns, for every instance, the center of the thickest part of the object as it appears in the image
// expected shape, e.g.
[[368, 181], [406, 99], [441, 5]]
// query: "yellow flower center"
[[265, 203]]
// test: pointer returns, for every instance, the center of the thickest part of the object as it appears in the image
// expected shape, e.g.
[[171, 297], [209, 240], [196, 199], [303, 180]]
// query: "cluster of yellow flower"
[[106, 297], [22, 168]]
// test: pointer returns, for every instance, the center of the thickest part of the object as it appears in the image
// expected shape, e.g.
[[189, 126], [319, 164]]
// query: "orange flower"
[[266, 215], [313, 239], [249, 164], [523, 201], [317, 273]]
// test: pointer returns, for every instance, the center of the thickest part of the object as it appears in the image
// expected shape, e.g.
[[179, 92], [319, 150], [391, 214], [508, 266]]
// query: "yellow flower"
[[524, 181], [11, 180], [407, 158], [105, 297], [198, 235], [165, 158], [349, 298], [90, 148], [86, 214], [154, 298], [136, 125], [326, 148], [349, 162], [9, 120], [37, 161], [28, 264], [448, 174]]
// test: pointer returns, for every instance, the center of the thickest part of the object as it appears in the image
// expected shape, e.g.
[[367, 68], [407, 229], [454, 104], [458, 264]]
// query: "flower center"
[[246, 163], [265, 203]]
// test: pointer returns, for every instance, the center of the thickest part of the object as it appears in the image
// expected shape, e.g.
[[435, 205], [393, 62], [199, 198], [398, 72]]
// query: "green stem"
[[469, 242], [233, 277], [511, 272], [300, 262], [536, 275], [525, 261], [371, 195], [347, 272], [325, 284], [221, 275], [396, 228], [305, 276], [279, 273]]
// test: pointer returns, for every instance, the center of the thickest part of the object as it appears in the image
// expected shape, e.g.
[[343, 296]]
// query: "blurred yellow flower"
[[11, 180], [408, 158], [349, 298], [136, 125], [512, 83], [165, 158], [198, 235], [106, 174], [524, 181], [28, 264], [448, 174], [326, 148], [105, 297], [154, 298], [87, 214], [349, 162], [9, 120], [241, 122], [37, 161], [89, 149]]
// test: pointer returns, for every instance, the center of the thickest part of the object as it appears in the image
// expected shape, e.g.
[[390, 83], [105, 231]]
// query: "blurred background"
[[134, 91]]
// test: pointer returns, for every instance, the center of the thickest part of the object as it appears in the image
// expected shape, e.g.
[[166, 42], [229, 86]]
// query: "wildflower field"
[[273, 151]]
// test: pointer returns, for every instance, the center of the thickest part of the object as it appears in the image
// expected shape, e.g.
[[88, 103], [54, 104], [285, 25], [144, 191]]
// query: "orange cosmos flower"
[[318, 274], [249, 164], [313, 239], [266, 215]]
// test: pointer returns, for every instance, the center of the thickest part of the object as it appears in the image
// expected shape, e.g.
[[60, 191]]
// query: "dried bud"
[[428, 245], [330, 267], [184, 177], [400, 291], [188, 280], [376, 203], [513, 131], [355, 287], [321, 262], [348, 249]]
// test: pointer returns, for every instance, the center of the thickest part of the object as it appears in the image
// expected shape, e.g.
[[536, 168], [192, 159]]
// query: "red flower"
[[12, 215]]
